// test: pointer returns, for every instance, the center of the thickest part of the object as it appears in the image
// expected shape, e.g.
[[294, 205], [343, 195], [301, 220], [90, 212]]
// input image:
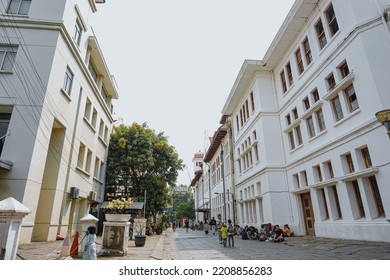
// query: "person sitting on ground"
[[262, 234], [287, 231], [278, 234]]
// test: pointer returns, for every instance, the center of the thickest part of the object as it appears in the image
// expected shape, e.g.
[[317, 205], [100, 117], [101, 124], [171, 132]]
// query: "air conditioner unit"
[[92, 195], [74, 192]]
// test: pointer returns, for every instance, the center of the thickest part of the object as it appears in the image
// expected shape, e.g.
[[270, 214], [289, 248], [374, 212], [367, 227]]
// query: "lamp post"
[[224, 204], [384, 118]]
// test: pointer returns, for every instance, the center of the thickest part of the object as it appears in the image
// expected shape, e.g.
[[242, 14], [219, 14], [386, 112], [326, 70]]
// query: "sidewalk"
[[153, 250]]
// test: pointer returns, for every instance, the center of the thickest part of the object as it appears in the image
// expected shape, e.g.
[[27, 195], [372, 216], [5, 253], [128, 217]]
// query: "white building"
[[56, 97], [308, 149]]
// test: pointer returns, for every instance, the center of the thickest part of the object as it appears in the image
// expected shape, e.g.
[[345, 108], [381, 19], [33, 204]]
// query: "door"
[[308, 213]]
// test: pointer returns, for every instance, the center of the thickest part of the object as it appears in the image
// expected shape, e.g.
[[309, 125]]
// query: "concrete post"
[[12, 213]]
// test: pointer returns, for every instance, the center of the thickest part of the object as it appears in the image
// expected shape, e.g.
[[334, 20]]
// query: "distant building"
[[308, 150], [56, 110]]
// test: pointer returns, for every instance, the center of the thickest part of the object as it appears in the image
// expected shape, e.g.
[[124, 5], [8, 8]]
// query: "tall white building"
[[56, 97], [308, 149]]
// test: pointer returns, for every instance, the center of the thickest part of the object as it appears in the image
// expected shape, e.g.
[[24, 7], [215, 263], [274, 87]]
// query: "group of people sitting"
[[275, 233]]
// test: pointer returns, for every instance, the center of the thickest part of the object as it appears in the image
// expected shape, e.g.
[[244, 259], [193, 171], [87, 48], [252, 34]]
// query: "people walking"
[[230, 232]]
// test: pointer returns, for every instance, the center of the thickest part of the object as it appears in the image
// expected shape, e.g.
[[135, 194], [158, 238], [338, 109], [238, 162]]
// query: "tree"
[[186, 209], [139, 160]]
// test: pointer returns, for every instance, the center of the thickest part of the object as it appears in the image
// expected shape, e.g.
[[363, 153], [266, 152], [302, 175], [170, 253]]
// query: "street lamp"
[[228, 202], [384, 118]]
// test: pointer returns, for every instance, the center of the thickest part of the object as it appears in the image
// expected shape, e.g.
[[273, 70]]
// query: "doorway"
[[308, 213]]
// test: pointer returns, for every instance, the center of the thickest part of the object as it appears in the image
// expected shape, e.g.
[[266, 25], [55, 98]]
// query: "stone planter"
[[140, 240], [117, 217]]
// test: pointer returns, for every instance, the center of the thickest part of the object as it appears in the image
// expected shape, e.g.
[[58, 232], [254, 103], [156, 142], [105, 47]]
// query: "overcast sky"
[[175, 61]]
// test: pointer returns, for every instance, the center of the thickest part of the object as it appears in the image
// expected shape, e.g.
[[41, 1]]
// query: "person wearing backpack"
[[230, 233]]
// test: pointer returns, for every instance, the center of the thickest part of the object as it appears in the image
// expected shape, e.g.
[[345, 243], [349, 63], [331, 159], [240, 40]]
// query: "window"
[[7, 58], [358, 197], [88, 109], [289, 74], [315, 96], [252, 102], [330, 169], [318, 173], [337, 110], [92, 71], [101, 129], [366, 157], [337, 202], [306, 103], [19, 7], [310, 127], [283, 80], [77, 32], [299, 134], [320, 34], [331, 82], [295, 113], [307, 51], [68, 81], [288, 119], [351, 98], [304, 178], [377, 196], [325, 207], [332, 21], [80, 160], [291, 139], [88, 162], [94, 118], [349, 161], [298, 57], [344, 70], [96, 168], [320, 120], [4, 123]]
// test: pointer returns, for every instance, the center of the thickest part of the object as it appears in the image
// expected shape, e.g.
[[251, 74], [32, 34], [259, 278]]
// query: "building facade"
[[308, 150], [56, 108]]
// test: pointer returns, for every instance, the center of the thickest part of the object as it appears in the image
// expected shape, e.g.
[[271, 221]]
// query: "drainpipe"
[[232, 178], [223, 184]]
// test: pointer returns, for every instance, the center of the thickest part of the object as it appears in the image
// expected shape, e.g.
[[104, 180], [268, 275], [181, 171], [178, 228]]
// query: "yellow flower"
[[118, 205]]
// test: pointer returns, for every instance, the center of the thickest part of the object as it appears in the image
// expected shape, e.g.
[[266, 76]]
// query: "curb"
[[158, 250]]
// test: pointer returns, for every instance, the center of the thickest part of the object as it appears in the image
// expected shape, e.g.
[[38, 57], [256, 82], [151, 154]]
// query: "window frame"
[[18, 12]]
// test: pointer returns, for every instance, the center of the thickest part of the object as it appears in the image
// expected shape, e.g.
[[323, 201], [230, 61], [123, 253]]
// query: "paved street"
[[181, 245]]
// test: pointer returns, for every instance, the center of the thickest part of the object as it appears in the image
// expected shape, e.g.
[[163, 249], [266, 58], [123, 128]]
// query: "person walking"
[[230, 232], [186, 224], [174, 226], [219, 227], [224, 234], [206, 227], [213, 224]]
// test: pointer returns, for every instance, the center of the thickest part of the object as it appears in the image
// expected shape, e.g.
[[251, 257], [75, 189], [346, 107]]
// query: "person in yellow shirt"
[[286, 230], [224, 234]]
